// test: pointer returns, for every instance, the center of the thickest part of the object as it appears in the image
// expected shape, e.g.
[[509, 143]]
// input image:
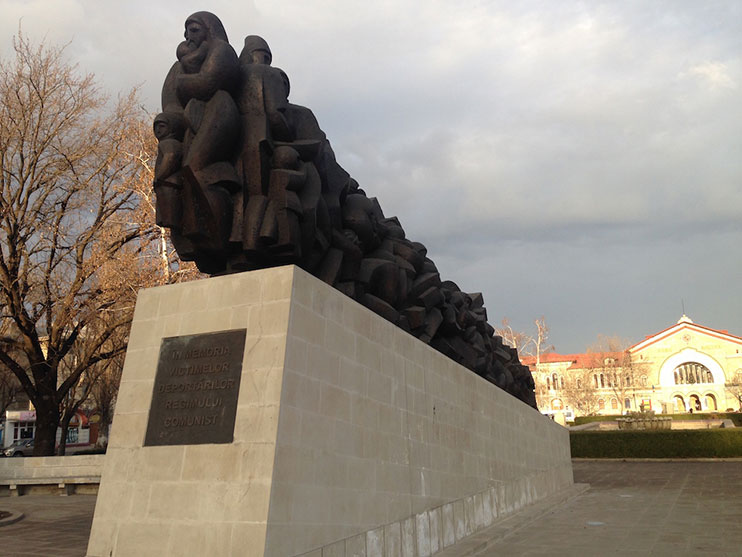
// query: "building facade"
[[685, 368]]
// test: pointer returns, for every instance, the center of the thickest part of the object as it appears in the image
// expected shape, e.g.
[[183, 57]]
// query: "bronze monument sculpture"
[[247, 180]]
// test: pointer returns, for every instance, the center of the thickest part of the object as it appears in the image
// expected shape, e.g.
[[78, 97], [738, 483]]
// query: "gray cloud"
[[576, 160]]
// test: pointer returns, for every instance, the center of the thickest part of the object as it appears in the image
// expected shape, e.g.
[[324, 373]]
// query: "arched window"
[[692, 373], [627, 380], [602, 381], [614, 404], [561, 382], [627, 403], [601, 404], [548, 383], [579, 383], [595, 376], [711, 402], [555, 381], [556, 404], [643, 380]]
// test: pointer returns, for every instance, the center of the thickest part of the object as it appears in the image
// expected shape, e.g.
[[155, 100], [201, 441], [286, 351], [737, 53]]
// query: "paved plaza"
[[632, 508], [53, 526], [635, 508]]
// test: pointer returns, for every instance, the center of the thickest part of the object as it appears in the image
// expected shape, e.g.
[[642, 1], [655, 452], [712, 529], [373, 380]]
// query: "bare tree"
[[105, 392], [519, 340], [81, 390], [543, 396], [524, 343], [151, 261], [66, 211], [10, 387], [539, 340], [581, 392], [734, 388], [612, 368]]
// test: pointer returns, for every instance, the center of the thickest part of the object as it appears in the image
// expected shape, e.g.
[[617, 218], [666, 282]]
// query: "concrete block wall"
[[209, 499], [377, 428], [51, 467], [345, 425]]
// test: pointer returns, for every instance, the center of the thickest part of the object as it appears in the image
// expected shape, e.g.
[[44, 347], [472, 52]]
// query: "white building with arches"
[[685, 368], [693, 367]]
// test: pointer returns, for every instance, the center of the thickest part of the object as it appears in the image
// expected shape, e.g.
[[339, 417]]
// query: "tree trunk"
[[64, 426], [164, 262], [47, 419]]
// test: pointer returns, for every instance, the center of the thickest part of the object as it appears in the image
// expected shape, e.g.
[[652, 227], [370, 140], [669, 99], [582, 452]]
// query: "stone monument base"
[[349, 434]]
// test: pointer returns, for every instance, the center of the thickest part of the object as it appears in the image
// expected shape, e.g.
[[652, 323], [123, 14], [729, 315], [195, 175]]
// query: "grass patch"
[[689, 443]]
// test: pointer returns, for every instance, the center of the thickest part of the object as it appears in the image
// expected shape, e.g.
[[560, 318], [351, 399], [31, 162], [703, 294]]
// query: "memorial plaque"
[[196, 388]]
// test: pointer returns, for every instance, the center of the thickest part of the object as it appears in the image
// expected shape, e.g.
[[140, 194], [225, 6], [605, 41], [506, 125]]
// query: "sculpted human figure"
[[261, 102], [168, 129], [199, 86]]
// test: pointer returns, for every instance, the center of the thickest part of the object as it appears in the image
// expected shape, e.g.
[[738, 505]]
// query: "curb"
[[480, 541], [690, 459], [12, 519]]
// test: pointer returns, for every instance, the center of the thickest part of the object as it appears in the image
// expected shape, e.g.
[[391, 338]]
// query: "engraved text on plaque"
[[196, 387]]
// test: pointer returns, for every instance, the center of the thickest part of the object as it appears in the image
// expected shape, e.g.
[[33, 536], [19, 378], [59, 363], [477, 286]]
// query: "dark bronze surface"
[[196, 386], [246, 180]]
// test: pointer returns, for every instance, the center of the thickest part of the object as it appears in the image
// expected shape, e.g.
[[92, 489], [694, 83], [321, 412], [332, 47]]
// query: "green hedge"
[[736, 417], [90, 451], [688, 443], [579, 420]]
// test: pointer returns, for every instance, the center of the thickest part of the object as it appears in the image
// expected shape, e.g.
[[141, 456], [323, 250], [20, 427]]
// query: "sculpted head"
[[256, 51], [203, 26], [285, 157], [358, 216], [168, 125]]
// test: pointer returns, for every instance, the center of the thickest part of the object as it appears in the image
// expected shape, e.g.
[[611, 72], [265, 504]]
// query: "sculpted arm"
[[220, 70]]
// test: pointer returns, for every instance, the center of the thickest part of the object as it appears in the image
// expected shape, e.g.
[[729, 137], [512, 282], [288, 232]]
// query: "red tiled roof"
[[576, 361], [550, 358]]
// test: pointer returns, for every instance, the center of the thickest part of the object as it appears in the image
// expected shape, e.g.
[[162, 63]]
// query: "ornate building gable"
[[686, 332], [692, 365]]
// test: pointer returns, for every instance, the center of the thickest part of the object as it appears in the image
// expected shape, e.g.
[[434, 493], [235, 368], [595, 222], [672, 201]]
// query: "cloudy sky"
[[580, 160]]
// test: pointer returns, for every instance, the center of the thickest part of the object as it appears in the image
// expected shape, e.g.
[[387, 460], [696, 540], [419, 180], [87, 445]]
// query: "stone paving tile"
[[641, 508], [632, 509], [53, 526]]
